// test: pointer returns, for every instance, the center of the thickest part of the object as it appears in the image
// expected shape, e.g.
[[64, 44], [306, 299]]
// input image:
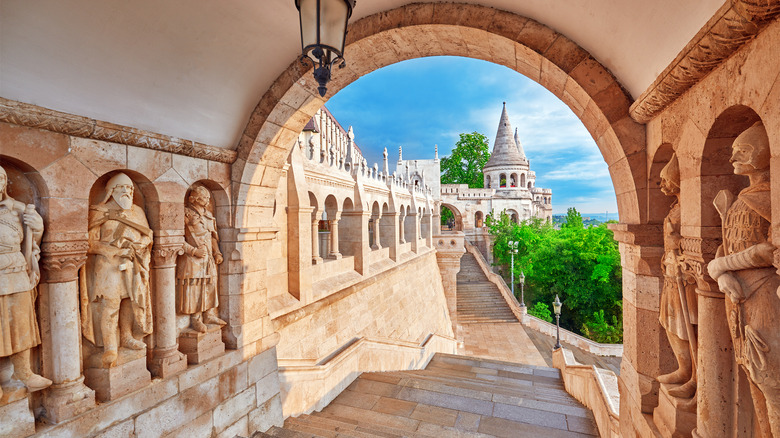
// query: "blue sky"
[[427, 101]]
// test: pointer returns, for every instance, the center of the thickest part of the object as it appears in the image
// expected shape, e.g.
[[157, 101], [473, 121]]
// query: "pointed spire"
[[384, 164], [436, 152], [505, 152], [400, 154], [519, 145]]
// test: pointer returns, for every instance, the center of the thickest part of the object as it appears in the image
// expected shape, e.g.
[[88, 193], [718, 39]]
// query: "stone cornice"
[[33, 116], [736, 23]]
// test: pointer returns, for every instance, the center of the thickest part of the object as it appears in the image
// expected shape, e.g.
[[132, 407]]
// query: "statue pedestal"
[[17, 418], [200, 347], [128, 375], [674, 417], [167, 362]]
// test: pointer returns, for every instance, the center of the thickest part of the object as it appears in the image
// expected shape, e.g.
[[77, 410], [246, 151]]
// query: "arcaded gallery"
[[190, 245]]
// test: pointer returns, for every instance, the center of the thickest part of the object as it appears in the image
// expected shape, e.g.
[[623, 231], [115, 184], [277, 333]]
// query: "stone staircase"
[[454, 396], [479, 300]]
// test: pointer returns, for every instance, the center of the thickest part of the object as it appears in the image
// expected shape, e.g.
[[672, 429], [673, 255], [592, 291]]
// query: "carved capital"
[[164, 256], [697, 270], [696, 247], [61, 260]]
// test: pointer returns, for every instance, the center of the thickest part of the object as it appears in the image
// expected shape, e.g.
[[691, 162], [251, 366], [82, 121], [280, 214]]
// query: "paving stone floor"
[[499, 341]]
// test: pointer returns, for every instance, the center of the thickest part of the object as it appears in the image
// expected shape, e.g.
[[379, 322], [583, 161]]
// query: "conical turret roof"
[[519, 145], [505, 150]]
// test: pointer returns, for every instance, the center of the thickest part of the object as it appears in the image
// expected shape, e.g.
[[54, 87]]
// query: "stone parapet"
[[595, 388]]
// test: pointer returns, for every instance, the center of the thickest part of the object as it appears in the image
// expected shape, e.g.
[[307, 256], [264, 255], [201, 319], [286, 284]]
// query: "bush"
[[541, 311], [598, 329]]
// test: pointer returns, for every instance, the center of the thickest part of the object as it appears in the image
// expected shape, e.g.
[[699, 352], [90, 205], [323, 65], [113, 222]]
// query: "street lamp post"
[[557, 307], [512, 251], [522, 289]]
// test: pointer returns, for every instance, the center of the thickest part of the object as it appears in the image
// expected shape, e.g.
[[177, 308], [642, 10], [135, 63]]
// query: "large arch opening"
[[554, 61]]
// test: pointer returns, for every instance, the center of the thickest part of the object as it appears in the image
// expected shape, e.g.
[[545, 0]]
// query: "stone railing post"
[[401, 232], [390, 229], [68, 396], [165, 359], [450, 247]]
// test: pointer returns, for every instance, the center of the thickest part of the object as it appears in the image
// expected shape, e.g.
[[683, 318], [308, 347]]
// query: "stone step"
[[326, 427], [281, 432]]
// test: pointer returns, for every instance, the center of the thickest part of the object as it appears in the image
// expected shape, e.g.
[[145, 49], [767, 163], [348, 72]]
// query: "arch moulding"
[[439, 29]]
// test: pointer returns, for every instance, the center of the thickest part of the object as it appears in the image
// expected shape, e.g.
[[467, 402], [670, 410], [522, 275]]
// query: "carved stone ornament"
[[164, 256], [21, 229], [678, 309], [62, 260], [745, 272], [116, 303], [723, 35], [32, 116], [196, 271]]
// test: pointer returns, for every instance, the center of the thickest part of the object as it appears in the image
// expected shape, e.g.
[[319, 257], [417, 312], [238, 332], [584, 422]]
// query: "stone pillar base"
[[67, 400], [316, 260], [167, 362], [336, 256], [200, 347], [128, 375], [672, 417], [17, 418]]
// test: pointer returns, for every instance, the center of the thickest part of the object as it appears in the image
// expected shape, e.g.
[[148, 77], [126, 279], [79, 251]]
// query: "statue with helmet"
[[745, 274], [678, 307], [21, 229], [116, 304]]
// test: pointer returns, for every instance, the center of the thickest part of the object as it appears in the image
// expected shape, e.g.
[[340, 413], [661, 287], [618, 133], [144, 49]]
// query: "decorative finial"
[[351, 133], [435, 152], [400, 153]]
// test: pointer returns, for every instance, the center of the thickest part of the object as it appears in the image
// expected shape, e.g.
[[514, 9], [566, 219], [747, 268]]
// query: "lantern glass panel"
[[334, 20], [308, 15]]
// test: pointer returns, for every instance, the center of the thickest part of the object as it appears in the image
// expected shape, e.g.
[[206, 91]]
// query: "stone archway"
[[433, 29]]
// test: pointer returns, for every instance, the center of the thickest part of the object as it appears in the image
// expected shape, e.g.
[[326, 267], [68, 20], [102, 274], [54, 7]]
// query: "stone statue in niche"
[[116, 304], [196, 269], [21, 229], [678, 309], [744, 272]]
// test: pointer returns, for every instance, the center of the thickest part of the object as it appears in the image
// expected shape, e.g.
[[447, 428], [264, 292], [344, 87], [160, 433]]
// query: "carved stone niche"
[[116, 300], [197, 279], [21, 230]]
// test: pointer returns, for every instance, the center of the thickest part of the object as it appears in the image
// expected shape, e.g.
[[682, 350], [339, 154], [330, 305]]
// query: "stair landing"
[[455, 396]]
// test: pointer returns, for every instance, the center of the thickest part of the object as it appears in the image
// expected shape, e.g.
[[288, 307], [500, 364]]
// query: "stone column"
[[315, 242], [401, 236], [68, 396], [334, 237], [356, 238], [299, 255], [450, 248], [715, 368], [390, 227], [377, 243], [427, 228], [165, 359], [415, 232]]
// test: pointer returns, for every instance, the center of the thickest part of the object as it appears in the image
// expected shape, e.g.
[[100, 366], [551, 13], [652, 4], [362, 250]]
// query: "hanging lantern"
[[323, 32]]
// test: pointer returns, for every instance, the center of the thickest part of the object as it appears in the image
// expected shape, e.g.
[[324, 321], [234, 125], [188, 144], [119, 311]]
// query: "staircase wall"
[[403, 305]]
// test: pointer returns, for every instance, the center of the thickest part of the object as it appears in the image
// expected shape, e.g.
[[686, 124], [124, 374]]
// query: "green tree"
[[581, 265], [541, 311], [464, 165]]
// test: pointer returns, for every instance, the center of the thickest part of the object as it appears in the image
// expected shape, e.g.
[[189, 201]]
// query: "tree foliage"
[[464, 165], [541, 311], [581, 265]]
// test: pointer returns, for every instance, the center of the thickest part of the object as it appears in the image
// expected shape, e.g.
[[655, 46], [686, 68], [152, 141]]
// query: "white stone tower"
[[508, 168]]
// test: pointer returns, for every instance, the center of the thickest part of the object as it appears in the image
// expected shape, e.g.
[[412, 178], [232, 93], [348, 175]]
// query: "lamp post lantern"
[[323, 32], [522, 289], [512, 251], [557, 307]]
